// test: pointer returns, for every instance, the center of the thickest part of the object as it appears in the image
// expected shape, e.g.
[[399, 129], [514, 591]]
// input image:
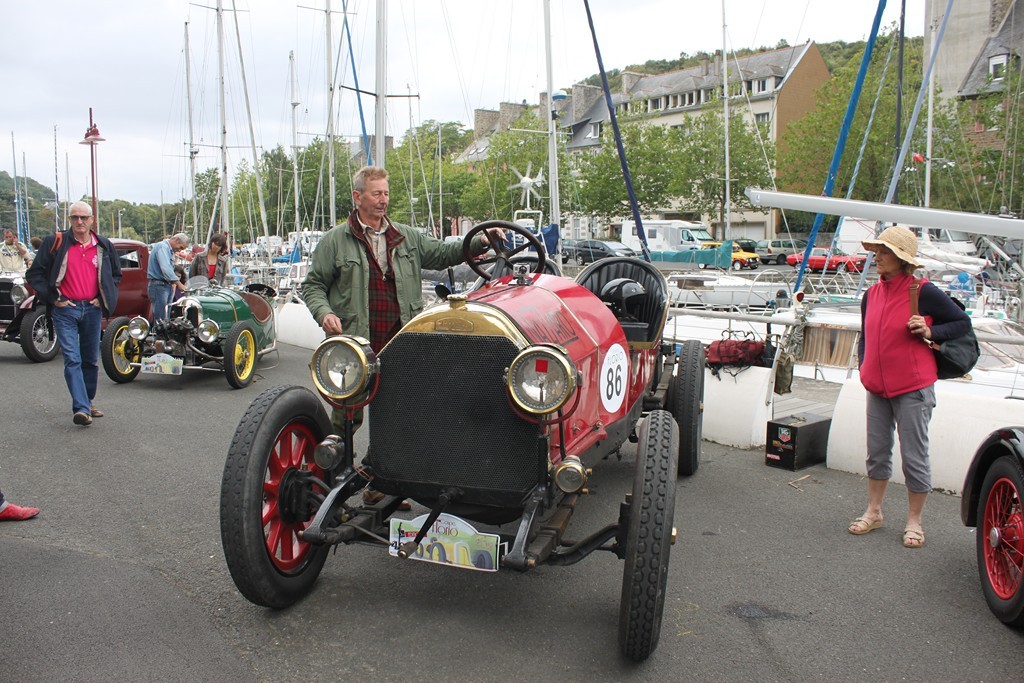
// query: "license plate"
[[451, 541], [162, 364]]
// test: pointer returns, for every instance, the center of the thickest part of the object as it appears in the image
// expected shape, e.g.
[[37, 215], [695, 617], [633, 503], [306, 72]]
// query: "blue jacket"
[[47, 270]]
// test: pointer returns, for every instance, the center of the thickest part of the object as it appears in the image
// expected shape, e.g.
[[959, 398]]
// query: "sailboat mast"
[[17, 195], [725, 105], [192, 149], [330, 120], [380, 134], [928, 131], [56, 184], [252, 132], [295, 141], [556, 209], [225, 219]]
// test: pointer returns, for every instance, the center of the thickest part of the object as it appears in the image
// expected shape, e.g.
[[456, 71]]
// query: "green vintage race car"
[[208, 325]]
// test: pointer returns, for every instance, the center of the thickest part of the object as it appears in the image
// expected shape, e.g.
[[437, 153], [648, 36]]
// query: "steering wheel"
[[501, 254]]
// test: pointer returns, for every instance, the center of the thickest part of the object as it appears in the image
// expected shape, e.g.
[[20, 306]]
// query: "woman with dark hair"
[[212, 263]]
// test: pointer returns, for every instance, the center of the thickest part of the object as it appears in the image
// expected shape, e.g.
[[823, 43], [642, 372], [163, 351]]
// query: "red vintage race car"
[[552, 375], [820, 261]]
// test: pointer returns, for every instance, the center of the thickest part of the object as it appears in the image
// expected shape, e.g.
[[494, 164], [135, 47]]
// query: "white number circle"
[[614, 378]]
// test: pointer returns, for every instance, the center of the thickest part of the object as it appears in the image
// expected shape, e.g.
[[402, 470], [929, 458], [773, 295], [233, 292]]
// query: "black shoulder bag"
[[954, 357]]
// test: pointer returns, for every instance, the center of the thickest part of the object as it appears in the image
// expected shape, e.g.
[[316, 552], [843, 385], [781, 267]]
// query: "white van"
[[670, 235], [852, 231]]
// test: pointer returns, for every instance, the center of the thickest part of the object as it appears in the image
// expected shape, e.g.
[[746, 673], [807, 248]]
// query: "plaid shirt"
[[384, 313]]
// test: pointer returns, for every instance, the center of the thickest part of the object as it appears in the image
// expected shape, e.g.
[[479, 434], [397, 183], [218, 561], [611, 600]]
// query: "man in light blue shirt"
[[162, 278]]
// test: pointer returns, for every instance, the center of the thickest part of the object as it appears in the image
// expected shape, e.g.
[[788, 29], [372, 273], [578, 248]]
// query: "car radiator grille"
[[7, 307], [441, 418]]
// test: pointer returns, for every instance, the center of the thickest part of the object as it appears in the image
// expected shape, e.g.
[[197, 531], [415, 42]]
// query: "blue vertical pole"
[[837, 154]]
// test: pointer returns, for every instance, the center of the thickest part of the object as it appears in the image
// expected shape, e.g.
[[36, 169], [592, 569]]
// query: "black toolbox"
[[797, 441]]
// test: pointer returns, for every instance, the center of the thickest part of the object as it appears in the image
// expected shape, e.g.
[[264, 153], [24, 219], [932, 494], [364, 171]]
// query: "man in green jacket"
[[364, 278]]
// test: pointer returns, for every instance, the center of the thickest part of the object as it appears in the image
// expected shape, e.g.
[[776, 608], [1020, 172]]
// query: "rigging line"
[[844, 130], [908, 138], [637, 220], [455, 56]]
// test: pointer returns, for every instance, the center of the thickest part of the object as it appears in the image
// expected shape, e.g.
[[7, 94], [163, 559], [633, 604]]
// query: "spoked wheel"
[[686, 404], [118, 350], [1001, 541], [270, 493], [649, 536], [240, 354], [38, 339]]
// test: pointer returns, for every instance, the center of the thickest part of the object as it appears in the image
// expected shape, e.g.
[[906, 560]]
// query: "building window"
[[654, 104], [997, 66], [764, 118], [761, 85], [595, 132]]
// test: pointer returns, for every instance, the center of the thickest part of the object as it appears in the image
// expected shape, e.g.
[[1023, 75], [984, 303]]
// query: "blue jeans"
[[78, 333], [160, 295]]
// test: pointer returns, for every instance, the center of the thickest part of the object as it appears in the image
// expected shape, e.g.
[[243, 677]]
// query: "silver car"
[[776, 251]]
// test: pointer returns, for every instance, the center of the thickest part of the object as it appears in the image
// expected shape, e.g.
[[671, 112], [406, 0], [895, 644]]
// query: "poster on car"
[[451, 541]]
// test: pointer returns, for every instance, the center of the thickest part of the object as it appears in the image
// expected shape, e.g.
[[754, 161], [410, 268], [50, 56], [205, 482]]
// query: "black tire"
[[649, 537], [37, 336], [686, 403], [118, 351], [999, 541], [580, 261], [736, 265], [842, 268], [702, 266], [264, 575], [781, 259], [240, 354]]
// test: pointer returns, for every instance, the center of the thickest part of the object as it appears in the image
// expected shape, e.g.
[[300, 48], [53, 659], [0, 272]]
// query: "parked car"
[[568, 248], [746, 245], [776, 251], [740, 259], [208, 324], [820, 261], [588, 251], [27, 322], [991, 502], [548, 376]]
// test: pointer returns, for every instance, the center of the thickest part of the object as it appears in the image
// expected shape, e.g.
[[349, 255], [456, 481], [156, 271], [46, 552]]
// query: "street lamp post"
[[92, 138], [119, 212]]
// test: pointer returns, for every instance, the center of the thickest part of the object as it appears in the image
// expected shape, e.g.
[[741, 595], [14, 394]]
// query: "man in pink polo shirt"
[[76, 272]]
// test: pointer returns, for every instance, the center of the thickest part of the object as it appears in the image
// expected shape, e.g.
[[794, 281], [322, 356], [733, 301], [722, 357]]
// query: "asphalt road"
[[122, 576]]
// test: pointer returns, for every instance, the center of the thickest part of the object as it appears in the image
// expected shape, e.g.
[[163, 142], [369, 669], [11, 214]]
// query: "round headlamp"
[[138, 328], [208, 331], [571, 476], [541, 379], [342, 367], [19, 293]]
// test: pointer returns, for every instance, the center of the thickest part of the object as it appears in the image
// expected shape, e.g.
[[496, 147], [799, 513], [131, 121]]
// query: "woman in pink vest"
[[900, 318]]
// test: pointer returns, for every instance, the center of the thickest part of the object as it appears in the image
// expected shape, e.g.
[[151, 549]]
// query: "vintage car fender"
[[1002, 442]]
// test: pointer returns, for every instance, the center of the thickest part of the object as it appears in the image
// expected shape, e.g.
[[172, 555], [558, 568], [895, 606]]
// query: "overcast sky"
[[126, 60]]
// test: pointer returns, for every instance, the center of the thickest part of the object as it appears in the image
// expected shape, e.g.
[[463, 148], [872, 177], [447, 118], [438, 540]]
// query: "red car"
[[543, 377], [820, 261]]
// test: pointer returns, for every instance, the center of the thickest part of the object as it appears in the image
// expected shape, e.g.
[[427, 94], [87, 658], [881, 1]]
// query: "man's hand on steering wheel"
[[493, 234]]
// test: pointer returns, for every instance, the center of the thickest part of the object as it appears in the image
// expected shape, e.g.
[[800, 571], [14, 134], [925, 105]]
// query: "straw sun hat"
[[900, 240]]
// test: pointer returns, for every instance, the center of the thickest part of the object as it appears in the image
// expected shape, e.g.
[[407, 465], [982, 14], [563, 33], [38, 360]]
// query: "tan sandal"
[[913, 538], [863, 525]]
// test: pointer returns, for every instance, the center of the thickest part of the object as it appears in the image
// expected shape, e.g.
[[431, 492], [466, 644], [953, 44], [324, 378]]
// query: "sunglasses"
[[81, 218]]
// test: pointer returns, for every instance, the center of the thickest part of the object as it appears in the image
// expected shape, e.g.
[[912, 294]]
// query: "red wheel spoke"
[[293, 450]]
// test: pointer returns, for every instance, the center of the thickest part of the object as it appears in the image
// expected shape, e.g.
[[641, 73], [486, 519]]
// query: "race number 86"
[[614, 373]]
